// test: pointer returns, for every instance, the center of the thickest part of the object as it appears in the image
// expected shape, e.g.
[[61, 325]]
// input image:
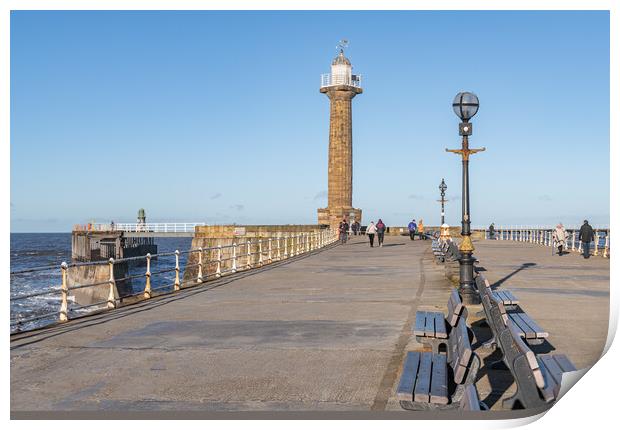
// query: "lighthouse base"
[[333, 216]]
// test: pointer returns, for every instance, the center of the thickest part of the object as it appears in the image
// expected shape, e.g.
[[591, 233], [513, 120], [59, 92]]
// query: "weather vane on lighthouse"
[[344, 43]]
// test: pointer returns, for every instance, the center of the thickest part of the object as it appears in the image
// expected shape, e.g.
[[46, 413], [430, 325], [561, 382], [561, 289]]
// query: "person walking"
[[380, 231], [413, 228], [492, 231], [421, 230], [355, 227], [586, 235], [559, 238], [371, 230], [343, 229]]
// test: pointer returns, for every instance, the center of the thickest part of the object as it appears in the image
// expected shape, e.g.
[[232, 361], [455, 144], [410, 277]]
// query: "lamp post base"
[[467, 285]]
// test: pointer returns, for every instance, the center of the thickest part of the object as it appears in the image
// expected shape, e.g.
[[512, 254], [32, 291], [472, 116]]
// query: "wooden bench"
[[538, 378], [438, 381], [439, 249], [527, 328], [432, 328]]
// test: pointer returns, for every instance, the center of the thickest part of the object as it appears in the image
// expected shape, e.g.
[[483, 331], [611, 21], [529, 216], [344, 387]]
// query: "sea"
[[49, 250]]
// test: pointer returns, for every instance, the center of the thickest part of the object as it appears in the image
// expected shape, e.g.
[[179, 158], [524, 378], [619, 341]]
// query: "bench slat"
[[551, 389], [439, 380], [564, 362], [408, 377], [539, 332], [527, 331], [420, 323], [429, 329], [423, 380], [440, 326], [552, 368], [513, 299]]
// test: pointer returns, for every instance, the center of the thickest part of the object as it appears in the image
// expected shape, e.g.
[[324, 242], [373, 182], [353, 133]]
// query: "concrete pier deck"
[[326, 331], [322, 332]]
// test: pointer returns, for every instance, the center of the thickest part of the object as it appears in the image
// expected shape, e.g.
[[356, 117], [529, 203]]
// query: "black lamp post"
[[465, 106], [442, 188]]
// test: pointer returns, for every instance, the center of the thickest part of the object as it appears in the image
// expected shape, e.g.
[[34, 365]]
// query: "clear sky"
[[217, 116]]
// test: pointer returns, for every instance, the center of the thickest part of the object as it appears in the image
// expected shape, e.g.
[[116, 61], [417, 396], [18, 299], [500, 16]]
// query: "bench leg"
[[498, 365]]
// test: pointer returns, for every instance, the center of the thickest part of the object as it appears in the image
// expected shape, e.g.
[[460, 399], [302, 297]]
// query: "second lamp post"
[[466, 105]]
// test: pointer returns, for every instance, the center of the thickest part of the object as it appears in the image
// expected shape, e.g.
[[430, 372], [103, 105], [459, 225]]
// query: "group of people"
[[560, 237], [416, 229], [586, 236], [344, 229], [372, 230]]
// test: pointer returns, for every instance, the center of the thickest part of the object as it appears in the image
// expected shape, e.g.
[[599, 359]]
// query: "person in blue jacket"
[[413, 227]]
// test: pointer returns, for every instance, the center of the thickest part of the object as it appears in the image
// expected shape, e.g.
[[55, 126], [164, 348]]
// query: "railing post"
[[249, 254], [177, 283], [63, 317], [269, 259], [112, 290], [147, 277], [260, 252], [606, 251], [580, 250], [596, 242], [218, 270], [307, 236], [199, 278], [573, 247], [234, 258], [285, 247]]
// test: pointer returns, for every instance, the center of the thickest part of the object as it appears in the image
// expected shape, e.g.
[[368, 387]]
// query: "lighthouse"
[[340, 86]]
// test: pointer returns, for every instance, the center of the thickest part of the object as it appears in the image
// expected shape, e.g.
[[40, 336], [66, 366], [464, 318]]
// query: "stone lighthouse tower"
[[340, 86]]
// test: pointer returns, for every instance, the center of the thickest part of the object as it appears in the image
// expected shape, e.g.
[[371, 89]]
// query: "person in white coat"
[[559, 238], [371, 230]]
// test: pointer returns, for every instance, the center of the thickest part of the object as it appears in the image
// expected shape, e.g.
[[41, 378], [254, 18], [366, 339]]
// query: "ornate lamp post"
[[465, 106], [442, 189]]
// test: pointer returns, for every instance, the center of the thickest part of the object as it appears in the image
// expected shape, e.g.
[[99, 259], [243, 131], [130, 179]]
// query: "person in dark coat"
[[492, 231], [343, 229], [586, 235], [380, 231], [413, 229]]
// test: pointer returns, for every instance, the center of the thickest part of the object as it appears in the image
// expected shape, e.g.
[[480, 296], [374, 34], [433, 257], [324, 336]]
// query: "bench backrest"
[[530, 357], [460, 354], [455, 308]]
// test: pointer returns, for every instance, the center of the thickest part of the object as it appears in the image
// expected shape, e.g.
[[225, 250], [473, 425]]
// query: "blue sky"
[[217, 116]]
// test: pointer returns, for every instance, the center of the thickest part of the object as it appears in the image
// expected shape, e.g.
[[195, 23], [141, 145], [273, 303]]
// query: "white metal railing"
[[328, 80], [544, 236], [161, 227], [205, 264]]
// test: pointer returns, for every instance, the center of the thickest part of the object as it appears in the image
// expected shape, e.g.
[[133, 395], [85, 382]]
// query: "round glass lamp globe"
[[465, 105]]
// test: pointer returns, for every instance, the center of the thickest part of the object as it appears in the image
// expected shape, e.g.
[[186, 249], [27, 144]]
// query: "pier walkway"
[[322, 331]]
